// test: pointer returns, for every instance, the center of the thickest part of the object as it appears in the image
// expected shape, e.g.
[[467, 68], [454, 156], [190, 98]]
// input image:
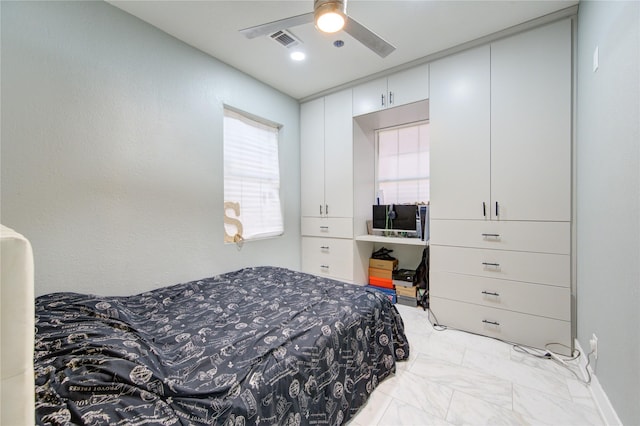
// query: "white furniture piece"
[[501, 188], [327, 186], [401, 88], [18, 323]]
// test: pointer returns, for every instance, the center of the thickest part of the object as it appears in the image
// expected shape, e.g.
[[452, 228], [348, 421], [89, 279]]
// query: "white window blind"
[[251, 178], [402, 173]]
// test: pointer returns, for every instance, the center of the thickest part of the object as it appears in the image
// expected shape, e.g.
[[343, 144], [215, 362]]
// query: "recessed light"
[[298, 56]]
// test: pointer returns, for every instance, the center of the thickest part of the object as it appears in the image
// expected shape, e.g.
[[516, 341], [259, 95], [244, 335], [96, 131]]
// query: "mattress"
[[260, 345]]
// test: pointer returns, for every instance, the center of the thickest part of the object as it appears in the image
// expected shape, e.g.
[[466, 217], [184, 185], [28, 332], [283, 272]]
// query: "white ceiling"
[[416, 28]]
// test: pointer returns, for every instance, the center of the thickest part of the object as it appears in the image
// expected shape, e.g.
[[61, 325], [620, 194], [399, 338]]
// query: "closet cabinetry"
[[501, 188], [326, 178], [501, 122], [531, 125], [459, 121], [327, 156], [401, 88]]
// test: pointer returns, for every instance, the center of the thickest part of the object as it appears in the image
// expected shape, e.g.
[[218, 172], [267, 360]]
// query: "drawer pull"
[[490, 293], [324, 247], [491, 235], [491, 322], [324, 266], [495, 265], [324, 228]]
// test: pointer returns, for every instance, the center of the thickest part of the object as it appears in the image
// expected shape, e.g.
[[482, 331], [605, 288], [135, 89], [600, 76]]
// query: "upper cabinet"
[[327, 156], [501, 129], [401, 88], [531, 124], [459, 117]]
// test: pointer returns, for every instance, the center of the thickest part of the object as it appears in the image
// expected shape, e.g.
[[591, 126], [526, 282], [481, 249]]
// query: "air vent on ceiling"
[[285, 38]]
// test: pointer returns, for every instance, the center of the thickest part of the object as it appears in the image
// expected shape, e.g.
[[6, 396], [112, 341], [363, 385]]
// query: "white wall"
[[608, 197], [112, 151]]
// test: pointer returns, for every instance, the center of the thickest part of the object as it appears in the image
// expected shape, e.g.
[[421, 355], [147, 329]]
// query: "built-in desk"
[[392, 240], [408, 251]]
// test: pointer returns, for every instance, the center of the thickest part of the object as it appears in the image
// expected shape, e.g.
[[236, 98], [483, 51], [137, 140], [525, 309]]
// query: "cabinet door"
[[531, 124], [338, 151], [312, 158], [369, 97], [460, 131], [408, 86]]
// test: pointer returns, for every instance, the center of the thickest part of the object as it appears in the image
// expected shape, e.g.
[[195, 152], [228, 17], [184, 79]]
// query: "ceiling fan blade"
[[367, 37], [282, 24]]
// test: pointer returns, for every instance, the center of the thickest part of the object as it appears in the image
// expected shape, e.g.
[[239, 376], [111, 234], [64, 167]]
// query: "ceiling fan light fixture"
[[330, 15]]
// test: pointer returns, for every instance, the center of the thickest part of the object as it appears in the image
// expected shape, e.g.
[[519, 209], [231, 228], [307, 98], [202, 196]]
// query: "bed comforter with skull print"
[[260, 345]]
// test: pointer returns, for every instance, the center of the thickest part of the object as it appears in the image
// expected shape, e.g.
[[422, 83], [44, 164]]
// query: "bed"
[[261, 345]]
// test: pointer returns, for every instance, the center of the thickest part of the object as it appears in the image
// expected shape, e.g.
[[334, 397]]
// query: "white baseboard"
[[601, 399]]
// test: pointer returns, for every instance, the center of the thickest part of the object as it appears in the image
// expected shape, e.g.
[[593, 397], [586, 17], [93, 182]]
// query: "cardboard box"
[[407, 301], [381, 273], [399, 283], [383, 264], [389, 293], [406, 291], [381, 282]]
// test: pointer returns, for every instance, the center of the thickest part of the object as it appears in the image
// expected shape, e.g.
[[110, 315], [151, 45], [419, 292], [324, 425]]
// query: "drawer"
[[541, 268], [510, 326], [535, 299], [333, 227], [542, 237], [329, 257]]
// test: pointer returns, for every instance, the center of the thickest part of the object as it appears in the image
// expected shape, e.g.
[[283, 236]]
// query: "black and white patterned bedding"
[[257, 346]]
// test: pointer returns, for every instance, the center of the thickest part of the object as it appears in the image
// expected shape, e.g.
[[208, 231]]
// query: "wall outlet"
[[594, 345]]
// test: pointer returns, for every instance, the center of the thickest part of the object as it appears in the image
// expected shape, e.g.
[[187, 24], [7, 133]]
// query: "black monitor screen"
[[404, 220]]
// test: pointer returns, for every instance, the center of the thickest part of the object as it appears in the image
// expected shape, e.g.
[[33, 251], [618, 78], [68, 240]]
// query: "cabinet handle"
[[382, 100], [320, 209], [324, 266], [324, 247], [326, 209], [390, 98], [484, 209], [324, 228], [491, 235], [497, 214], [489, 293], [490, 322], [495, 265]]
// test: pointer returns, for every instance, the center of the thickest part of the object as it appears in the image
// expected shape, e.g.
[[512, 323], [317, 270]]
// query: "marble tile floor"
[[457, 378]]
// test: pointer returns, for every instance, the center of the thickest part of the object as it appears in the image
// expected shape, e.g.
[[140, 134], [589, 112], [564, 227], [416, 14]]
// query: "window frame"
[[230, 216], [377, 161]]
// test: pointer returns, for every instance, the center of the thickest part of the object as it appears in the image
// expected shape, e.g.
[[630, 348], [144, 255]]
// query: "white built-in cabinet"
[[326, 180], [401, 88], [327, 156], [500, 119], [460, 126], [531, 125]]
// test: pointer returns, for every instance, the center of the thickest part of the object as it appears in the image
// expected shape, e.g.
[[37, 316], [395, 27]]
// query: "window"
[[402, 169], [252, 207]]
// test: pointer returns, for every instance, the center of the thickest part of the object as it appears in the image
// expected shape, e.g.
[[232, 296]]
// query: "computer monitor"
[[396, 217]]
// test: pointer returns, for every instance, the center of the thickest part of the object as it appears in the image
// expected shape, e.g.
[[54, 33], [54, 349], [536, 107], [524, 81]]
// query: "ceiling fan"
[[329, 16]]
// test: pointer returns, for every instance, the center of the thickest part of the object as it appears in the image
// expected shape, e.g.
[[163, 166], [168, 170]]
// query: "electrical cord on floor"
[[528, 350]]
